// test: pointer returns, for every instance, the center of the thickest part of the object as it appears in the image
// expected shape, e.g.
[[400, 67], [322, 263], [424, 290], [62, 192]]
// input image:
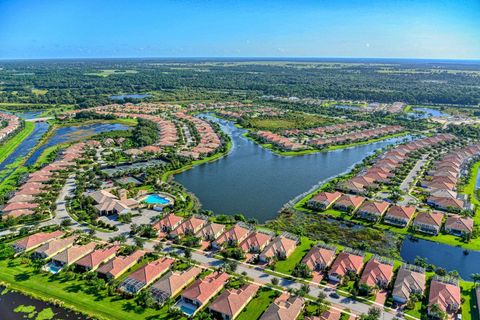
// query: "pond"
[[424, 113], [347, 107], [442, 255], [129, 96], [15, 306], [257, 183], [74, 133]]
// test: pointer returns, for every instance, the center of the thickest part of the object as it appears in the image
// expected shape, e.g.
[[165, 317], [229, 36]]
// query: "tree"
[[475, 277], [145, 299], [187, 253], [275, 281], [374, 313]]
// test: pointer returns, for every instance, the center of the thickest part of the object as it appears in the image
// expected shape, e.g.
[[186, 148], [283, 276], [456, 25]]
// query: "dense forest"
[[87, 83]]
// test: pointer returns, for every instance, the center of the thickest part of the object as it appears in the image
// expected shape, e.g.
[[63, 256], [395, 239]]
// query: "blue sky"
[[296, 28]]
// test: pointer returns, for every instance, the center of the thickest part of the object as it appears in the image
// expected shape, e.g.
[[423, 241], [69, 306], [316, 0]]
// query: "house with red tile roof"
[[211, 231], [231, 302], [94, 259], [256, 241], [446, 203], [190, 226], [320, 257], [51, 248], [323, 200], [348, 203], [399, 215], [35, 240], [17, 213], [428, 222], [281, 247], [19, 206], [233, 236], [285, 307], [115, 267], [168, 223], [72, 254], [458, 225], [377, 273], [445, 294], [330, 314], [146, 275], [372, 210], [172, 283], [203, 290], [345, 263]]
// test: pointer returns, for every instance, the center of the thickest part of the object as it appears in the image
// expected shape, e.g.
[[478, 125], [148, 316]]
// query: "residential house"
[[348, 203], [428, 222], [256, 241], [72, 254], [35, 240], [233, 236], [323, 200], [345, 263], [51, 248], [444, 293], [399, 215], [281, 247], [168, 223], [458, 225], [377, 273], [320, 257], [94, 259], [115, 267], [146, 275], [211, 231], [372, 210], [173, 283], [231, 302], [190, 226], [410, 280], [285, 307]]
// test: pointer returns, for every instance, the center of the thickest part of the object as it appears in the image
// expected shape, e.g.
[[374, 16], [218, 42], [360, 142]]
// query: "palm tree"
[[475, 277]]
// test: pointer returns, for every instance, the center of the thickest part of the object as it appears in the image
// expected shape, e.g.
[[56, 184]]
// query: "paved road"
[[412, 175]]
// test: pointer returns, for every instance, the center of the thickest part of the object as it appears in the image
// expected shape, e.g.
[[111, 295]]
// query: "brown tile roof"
[[464, 224], [120, 264], [37, 239], [152, 270], [401, 212], [429, 218], [319, 256], [74, 253], [174, 281], [326, 197], [202, 290], [95, 258], [444, 294], [374, 207], [408, 282], [346, 262], [285, 307], [375, 272], [236, 233], [232, 301]]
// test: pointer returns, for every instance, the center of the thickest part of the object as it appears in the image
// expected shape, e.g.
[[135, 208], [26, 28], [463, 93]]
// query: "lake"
[[424, 113], [12, 300], [442, 255], [257, 183], [74, 133], [129, 96]]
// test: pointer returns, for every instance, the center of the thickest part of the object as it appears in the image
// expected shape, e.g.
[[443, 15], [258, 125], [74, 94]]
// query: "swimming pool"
[[156, 199]]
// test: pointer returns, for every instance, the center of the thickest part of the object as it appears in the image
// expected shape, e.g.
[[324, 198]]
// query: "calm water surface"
[[74, 133], [130, 96], [257, 183], [442, 255], [11, 300]]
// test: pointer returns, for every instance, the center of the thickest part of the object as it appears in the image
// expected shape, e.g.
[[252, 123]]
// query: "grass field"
[[258, 305], [39, 92], [287, 266], [10, 145], [73, 293], [293, 121]]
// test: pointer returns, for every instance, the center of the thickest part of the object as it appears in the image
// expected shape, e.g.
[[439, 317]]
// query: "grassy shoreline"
[[11, 144]]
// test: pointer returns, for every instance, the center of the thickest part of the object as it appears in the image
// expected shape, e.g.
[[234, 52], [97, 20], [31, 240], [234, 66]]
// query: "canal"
[[256, 182]]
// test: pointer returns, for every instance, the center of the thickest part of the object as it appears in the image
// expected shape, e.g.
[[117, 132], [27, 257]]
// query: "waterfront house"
[[256, 241], [410, 280], [281, 247], [229, 304], [320, 257], [94, 259], [72, 254], [190, 226], [232, 236], [458, 225], [348, 203], [377, 273], [146, 275], [445, 294], [211, 231], [323, 200], [51, 248], [201, 291], [446, 203], [285, 307], [399, 216], [428, 222], [168, 223], [115, 267], [372, 210], [107, 204], [173, 283], [35, 240], [345, 263]]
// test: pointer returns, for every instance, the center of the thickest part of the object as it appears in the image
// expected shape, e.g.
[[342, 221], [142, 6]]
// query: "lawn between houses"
[[12, 143]]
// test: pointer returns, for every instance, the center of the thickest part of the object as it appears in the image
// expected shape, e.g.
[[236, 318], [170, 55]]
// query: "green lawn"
[[287, 266], [11, 144], [258, 305], [469, 306], [73, 293]]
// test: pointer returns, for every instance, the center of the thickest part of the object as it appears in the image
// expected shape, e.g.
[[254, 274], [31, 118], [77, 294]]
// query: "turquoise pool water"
[[156, 199]]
